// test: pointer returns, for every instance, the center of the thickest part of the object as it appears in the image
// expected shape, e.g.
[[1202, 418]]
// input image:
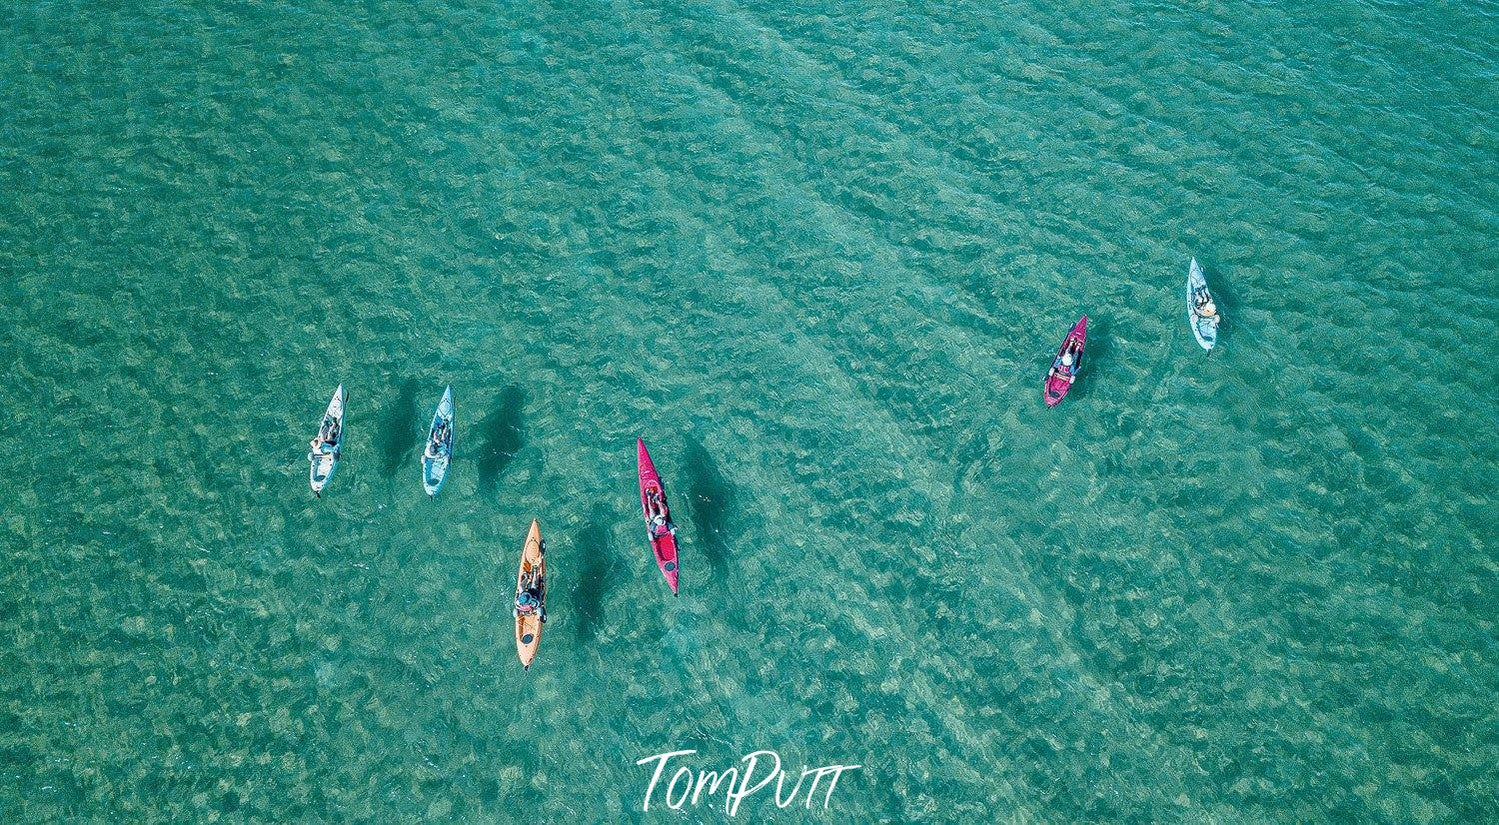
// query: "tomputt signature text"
[[689, 787]]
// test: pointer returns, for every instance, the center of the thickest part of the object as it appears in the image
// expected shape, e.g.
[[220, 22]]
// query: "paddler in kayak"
[[528, 599], [656, 521], [1205, 307], [323, 443], [1067, 363], [439, 439]]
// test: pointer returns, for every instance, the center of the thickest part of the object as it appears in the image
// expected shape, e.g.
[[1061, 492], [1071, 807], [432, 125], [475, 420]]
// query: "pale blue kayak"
[[439, 450], [328, 444], [1202, 313]]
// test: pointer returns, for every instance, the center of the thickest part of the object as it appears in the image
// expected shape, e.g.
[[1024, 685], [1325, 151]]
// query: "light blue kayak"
[[1202, 313], [439, 450], [328, 444]]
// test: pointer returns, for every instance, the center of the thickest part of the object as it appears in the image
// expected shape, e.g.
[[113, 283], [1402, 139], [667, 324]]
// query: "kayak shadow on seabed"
[[400, 434], [594, 550], [709, 500], [502, 434]]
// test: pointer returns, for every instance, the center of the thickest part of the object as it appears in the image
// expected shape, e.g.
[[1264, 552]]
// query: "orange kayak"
[[531, 596]]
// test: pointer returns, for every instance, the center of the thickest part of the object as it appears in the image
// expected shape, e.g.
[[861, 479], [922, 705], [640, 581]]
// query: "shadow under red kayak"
[[1058, 385], [663, 546]]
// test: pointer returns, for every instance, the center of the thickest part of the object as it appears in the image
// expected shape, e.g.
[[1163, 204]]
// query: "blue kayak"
[[1202, 313], [439, 450]]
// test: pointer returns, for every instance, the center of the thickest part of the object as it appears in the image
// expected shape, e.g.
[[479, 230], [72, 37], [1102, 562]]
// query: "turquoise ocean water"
[[819, 254]]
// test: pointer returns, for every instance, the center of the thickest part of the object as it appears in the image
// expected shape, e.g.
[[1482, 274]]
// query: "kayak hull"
[[435, 470], [1056, 386], [1205, 330], [664, 547], [528, 626], [324, 462]]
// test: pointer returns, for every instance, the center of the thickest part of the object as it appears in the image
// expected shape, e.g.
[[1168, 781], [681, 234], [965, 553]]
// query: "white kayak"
[[439, 450], [328, 445], [1199, 301]]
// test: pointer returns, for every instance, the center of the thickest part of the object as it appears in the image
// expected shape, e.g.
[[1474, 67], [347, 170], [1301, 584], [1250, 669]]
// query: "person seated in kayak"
[[435, 447], [1066, 364], [326, 439], [323, 442], [528, 599], [655, 510], [526, 603], [1205, 306], [658, 526]]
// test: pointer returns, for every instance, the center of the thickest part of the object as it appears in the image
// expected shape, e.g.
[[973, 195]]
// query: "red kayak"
[[658, 526], [1064, 368]]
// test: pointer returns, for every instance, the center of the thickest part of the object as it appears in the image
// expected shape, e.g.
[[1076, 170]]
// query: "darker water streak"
[[592, 542], [400, 432], [710, 499], [502, 434]]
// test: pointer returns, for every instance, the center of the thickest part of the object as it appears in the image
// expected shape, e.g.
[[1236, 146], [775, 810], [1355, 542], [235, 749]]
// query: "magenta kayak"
[[658, 527], [1064, 367]]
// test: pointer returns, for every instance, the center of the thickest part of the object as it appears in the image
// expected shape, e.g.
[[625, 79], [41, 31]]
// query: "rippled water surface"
[[819, 254]]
